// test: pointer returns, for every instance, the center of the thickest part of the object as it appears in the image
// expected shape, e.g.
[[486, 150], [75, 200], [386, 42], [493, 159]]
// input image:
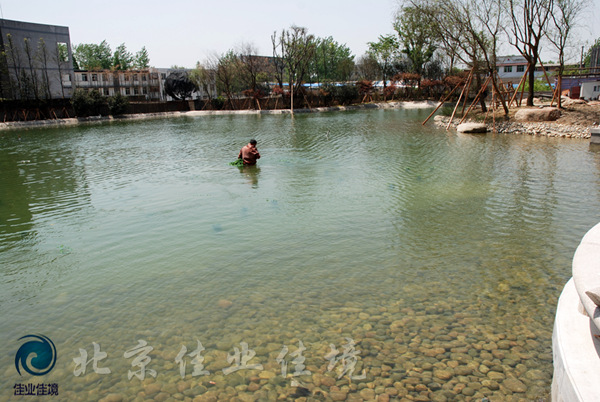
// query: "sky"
[[183, 32]]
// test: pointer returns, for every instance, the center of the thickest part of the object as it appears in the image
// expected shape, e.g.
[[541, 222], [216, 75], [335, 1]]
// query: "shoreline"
[[538, 129], [541, 129], [76, 121]]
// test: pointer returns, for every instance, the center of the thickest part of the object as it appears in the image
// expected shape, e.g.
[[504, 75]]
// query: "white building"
[[512, 68], [590, 90], [147, 84]]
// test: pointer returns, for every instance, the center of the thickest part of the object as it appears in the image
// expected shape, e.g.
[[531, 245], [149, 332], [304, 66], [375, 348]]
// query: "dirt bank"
[[576, 120]]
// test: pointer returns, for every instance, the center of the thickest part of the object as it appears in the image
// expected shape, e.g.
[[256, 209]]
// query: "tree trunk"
[[531, 85]]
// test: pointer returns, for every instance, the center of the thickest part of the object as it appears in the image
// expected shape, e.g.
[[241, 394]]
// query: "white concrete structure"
[[575, 340], [590, 90]]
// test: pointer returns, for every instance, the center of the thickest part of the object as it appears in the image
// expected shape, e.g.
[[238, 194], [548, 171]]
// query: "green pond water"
[[368, 255]]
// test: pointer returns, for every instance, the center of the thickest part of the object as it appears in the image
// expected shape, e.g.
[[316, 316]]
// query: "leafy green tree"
[[332, 61], [385, 53], [179, 86], [142, 59], [87, 103], [89, 56], [122, 58], [418, 39], [587, 59], [117, 104]]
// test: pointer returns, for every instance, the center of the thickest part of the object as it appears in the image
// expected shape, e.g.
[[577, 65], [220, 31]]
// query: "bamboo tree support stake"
[[484, 86], [519, 86], [441, 103], [493, 109], [548, 80], [458, 102], [469, 83]]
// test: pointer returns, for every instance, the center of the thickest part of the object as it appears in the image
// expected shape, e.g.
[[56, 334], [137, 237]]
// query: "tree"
[[332, 61], [141, 59], [385, 53], [293, 51], [367, 68], [565, 17], [203, 77], [468, 31], [122, 58], [90, 56], [15, 62], [61, 56], [254, 70], [226, 75], [43, 58], [529, 21], [418, 39], [178, 85], [592, 56]]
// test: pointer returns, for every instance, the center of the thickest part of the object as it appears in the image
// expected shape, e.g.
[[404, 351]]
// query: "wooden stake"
[[442, 102], [459, 99], [519, 86], [487, 81]]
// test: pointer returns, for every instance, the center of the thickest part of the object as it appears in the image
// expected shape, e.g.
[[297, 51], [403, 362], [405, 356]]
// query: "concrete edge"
[[575, 351], [19, 125]]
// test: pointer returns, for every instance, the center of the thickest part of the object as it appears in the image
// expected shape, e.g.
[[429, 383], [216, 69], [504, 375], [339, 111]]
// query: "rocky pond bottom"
[[366, 258]]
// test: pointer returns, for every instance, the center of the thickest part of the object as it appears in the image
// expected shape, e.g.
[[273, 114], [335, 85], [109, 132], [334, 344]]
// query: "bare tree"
[[31, 62], [14, 54], [204, 77], [227, 75], [297, 49], [61, 56], [43, 59], [469, 31], [529, 22], [565, 17]]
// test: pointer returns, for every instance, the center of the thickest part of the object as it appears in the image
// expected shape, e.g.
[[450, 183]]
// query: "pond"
[[364, 255]]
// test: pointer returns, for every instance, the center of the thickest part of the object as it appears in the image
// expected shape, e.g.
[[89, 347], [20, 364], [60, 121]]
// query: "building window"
[[145, 91], [144, 78], [94, 77], [136, 91], [520, 68], [106, 91], [83, 77], [508, 69], [126, 77], [127, 91]]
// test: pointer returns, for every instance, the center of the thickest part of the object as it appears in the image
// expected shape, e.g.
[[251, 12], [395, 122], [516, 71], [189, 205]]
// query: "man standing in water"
[[249, 154]]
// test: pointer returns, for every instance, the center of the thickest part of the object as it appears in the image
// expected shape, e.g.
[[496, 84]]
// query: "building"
[[590, 90], [512, 68], [144, 84], [147, 84], [36, 61]]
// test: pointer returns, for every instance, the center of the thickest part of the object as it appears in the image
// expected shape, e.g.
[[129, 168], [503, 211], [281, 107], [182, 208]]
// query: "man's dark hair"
[[253, 142]]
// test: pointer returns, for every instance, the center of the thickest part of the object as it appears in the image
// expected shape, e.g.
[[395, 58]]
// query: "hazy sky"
[[182, 32]]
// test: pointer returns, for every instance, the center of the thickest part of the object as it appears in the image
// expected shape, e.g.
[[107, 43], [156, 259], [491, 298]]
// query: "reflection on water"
[[362, 241]]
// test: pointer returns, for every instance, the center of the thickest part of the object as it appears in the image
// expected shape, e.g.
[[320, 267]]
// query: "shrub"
[[118, 104], [87, 103]]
